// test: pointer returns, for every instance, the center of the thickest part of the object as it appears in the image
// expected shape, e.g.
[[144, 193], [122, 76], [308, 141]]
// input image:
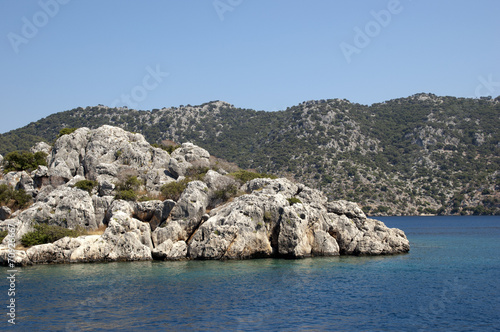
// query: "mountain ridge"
[[423, 154]]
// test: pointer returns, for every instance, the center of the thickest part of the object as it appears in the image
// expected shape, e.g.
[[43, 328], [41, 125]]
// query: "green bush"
[[126, 195], [131, 183], [66, 131], [127, 188], [173, 190], [294, 200], [24, 161], [226, 193], [268, 216], [47, 234], [3, 234], [168, 148], [196, 173], [13, 198], [86, 185], [245, 176]]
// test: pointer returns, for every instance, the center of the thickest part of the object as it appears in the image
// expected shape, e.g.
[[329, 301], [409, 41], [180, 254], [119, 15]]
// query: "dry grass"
[[21, 247], [216, 163], [97, 231]]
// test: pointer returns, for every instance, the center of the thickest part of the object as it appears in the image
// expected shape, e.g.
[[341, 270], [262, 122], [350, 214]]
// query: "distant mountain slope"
[[415, 155]]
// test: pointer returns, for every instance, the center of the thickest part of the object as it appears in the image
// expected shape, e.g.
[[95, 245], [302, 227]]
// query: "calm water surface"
[[450, 281]]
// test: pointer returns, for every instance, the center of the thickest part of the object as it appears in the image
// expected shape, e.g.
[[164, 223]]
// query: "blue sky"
[[261, 54]]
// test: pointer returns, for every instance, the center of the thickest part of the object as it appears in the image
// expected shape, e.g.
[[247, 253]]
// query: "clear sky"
[[261, 54]]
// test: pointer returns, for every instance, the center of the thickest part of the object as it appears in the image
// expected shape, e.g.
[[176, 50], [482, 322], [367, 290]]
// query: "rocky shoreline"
[[262, 218]]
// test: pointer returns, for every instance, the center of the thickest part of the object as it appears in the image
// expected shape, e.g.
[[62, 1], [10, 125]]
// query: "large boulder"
[[186, 216], [125, 239], [42, 147], [111, 149], [187, 156], [64, 206], [367, 236], [262, 225], [169, 250], [68, 153], [151, 212], [10, 256], [59, 251], [69, 207], [267, 223]]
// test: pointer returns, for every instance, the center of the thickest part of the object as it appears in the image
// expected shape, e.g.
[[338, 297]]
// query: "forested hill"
[[418, 155]]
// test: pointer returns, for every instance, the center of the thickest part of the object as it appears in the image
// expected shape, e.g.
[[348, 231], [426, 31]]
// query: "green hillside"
[[418, 155]]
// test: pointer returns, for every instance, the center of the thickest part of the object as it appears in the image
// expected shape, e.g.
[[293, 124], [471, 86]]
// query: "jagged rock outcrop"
[[215, 217], [188, 155], [265, 223], [41, 147]]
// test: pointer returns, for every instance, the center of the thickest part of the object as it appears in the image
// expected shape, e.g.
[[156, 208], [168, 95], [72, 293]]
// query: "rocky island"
[[134, 201]]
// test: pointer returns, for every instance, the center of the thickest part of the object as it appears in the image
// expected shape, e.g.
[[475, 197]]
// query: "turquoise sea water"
[[450, 281]]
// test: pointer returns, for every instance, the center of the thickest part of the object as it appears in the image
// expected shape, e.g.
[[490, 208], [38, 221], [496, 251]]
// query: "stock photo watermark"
[[30, 27], [139, 93], [487, 85], [450, 293], [223, 6], [363, 36], [11, 274], [87, 307]]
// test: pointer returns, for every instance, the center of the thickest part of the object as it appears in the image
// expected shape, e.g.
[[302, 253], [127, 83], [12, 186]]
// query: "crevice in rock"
[[223, 256], [202, 220], [275, 235], [333, 234]]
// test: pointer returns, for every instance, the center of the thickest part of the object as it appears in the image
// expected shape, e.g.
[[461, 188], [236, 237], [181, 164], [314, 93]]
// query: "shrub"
[[226, 193], [168, 146], [173, 190], [245, 176], [21, 198], [13, 198], [196, 173], [44, 233], [366, 209], [66, 131], [24, 161], [126, 189], [126, 195], [223, 195], [3, 234], [294, 200], [268, 216], [87, 185], [132, 183]]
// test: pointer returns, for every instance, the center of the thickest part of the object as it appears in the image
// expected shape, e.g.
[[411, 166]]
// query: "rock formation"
[[261, 218]]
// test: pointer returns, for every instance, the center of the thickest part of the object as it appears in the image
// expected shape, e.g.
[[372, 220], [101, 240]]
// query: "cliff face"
[[151, 204], [423, 154]]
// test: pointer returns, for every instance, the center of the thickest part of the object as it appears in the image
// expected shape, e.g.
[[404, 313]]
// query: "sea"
[[450, 281]]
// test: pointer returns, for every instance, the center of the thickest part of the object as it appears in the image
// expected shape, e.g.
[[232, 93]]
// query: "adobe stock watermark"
[[292, 282], [450, 293], [363, 37], [487, 85], [87, 308], [31, 27], [139, 93], [223, 6], [11, 274]]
